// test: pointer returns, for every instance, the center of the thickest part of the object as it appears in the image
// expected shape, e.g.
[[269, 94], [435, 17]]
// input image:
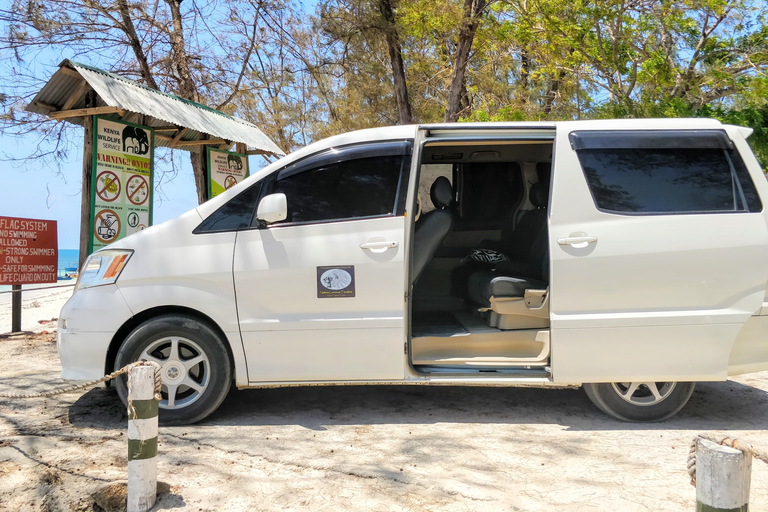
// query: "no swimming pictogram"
[[107, 186]]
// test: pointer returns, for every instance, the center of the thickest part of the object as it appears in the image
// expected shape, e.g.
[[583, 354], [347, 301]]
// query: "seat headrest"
[[441, 192], [539, 195]]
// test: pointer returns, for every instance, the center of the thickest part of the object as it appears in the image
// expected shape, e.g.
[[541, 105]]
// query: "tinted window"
[[349, 189], [429, 173], [750, 192], [234, 214], [651, 180], [488, 191]]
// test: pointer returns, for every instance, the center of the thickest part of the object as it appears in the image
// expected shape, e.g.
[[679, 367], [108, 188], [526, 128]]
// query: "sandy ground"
[[367, 447], [38, 307]]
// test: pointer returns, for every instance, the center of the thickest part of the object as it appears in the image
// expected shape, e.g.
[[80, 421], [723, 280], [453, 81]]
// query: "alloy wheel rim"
[[184, 367], [644, 394]]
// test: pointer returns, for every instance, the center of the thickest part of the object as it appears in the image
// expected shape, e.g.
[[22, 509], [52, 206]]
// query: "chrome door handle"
[[379, 245], [577, 240]]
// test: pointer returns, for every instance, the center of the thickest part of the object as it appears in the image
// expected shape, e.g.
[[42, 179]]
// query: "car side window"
[[709, 177], [234, 214], [487, 192], [363, 184]]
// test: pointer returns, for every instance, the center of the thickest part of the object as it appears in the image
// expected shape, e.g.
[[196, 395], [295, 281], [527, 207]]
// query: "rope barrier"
[[69, 389], [725, 441]]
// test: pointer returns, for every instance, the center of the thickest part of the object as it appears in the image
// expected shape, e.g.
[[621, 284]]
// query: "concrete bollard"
[[142, 439], [723, 477]]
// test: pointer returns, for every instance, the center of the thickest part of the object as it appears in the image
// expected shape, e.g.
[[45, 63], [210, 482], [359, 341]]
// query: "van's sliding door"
[[659, 254]]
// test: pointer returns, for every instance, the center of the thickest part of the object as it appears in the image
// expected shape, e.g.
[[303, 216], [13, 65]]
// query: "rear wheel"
[[195, 367], [640, 401]]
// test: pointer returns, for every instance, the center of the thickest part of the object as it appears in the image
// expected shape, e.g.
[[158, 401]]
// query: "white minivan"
[[629, 257]]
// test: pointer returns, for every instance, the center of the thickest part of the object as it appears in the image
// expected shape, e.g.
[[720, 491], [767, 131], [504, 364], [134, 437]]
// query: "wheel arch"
[[148, 314]]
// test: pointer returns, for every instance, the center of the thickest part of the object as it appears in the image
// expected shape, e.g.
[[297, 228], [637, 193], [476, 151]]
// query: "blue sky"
[[39, 191], [35, 190]]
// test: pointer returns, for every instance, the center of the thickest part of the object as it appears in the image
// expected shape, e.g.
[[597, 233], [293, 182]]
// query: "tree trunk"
[[188, 90], [133, 38], [199, 169], [469, 23], [525, 74], [549, 98], [396, 60], [85, 199]]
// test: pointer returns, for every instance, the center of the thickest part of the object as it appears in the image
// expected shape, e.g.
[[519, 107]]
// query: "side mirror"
[[272, 208]]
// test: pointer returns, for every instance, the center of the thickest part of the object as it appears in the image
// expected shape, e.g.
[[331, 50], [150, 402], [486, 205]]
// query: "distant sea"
[[68, 258]]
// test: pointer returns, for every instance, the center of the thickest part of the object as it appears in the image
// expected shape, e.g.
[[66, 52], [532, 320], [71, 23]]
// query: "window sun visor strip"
[[336, 155], [650, 139]]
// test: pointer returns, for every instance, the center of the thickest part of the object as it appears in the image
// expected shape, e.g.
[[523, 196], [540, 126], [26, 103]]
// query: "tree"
[[191, 50], [473, 10], [362, 63], [396, 60], [360, 30]]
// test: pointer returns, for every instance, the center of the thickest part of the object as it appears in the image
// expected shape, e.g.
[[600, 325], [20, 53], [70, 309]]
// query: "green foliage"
[[315, 74], [752, 117]]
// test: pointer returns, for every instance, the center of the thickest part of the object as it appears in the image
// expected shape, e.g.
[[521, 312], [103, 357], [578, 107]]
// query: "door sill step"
[[483, 361], [490, 371]]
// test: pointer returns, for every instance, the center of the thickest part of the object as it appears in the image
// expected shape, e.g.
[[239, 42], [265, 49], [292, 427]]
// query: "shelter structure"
[[77, 92]]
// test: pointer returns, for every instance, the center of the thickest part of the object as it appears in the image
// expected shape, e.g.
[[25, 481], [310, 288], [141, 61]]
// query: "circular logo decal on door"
[[335, 279]]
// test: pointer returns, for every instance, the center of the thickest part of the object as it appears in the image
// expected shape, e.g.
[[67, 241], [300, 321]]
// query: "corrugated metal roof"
[[161, 109]]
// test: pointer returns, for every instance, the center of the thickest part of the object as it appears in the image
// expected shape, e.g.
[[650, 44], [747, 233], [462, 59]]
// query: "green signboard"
[[225, 170], [121, 188]]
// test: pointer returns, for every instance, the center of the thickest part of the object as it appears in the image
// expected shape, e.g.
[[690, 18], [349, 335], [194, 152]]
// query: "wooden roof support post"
[[85, 199], [178, 136], [81, 89], [83, 112]]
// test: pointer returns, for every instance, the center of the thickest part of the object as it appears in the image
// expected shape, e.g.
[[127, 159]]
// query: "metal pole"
[[722, 478], [142, 439], [16, 308]]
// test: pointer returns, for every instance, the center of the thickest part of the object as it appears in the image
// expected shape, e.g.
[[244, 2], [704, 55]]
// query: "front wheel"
[[640, 401], [195, 367]]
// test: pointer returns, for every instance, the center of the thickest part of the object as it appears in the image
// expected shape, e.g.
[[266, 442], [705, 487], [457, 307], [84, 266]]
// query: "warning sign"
[[137, 189], [122, 180], [225, 170], [106, 226], [107, 186], [28, 251]]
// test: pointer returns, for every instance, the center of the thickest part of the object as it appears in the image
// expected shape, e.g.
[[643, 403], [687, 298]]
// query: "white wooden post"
[[142, 439], [723, 476]]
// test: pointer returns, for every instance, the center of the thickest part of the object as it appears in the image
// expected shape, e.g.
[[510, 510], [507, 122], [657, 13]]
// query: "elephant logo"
[[234, 163], [336, 279], [135, 141]]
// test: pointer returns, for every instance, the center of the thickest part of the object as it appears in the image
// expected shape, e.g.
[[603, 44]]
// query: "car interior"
[[480, 263]]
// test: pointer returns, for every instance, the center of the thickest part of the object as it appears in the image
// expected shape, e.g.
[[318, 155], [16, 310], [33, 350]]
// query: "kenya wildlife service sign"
[[225, 170], [28, 251], [122, 180]]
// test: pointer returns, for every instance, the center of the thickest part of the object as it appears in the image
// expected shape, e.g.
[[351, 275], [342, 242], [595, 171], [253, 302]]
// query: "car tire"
[[640, 401], [196, 368]]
